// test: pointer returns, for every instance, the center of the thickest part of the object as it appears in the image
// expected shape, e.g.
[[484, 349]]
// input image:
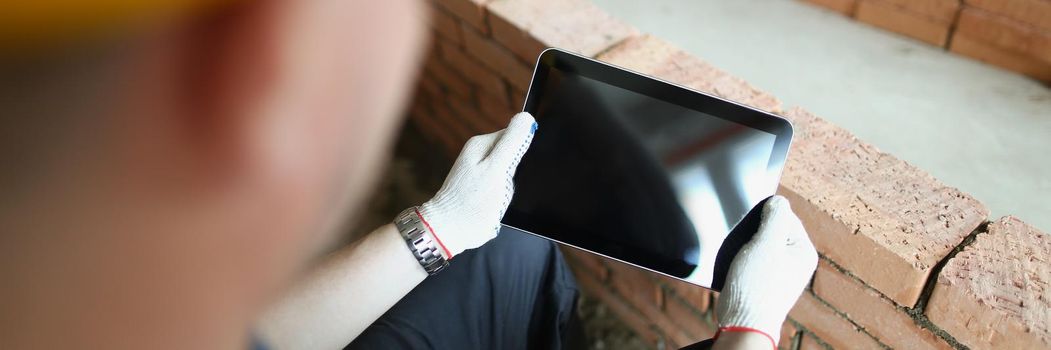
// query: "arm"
[[330, 307], [764, 281], [356, 285]]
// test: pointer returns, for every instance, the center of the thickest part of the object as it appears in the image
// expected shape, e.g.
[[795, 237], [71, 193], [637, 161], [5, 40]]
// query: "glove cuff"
[[734, 329], [742, 321], [741, 311], [432, 216]]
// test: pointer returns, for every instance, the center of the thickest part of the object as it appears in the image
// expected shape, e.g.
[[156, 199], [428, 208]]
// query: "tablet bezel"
[[568, 62]]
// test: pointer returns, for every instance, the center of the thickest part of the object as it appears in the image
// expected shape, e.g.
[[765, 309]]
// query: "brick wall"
[[906, 262], [1013, 34]]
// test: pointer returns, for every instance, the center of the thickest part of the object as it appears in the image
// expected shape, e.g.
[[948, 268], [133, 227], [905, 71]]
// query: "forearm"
[[343, 296], [356, 285]]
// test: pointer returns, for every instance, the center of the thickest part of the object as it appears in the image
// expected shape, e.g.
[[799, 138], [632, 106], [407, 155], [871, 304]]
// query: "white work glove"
[[768, 274], [466, 212]]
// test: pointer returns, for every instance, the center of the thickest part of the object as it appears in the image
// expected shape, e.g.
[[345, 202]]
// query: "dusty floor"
[[974, 126], [414, 175]]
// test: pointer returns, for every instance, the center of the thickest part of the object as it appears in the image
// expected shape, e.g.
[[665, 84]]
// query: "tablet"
[[644, 171]]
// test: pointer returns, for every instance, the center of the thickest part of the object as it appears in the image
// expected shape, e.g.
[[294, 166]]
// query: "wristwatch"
[[420, 241]]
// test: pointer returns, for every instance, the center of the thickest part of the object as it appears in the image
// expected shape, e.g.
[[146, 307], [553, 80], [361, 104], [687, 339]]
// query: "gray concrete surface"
[[976, 127]]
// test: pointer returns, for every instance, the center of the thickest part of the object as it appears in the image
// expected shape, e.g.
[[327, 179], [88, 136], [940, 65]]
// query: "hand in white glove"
[[768, 274], [467, 210]]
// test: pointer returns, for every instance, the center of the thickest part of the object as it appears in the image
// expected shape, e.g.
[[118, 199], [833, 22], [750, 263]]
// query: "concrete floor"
[[976, 127]]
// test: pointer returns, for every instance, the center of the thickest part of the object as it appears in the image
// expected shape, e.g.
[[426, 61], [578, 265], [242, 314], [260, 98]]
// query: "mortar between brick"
[[928, 288], [952, 27], [578, 26], [931, 10], [841, 7], [804, 331], [885, 220], [916, 313], [993, 294], [846, 317], [615, 45], [669, 293], [796, 339]]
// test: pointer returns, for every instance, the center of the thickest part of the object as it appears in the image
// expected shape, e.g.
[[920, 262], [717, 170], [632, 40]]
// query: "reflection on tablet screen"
[[638, 178]]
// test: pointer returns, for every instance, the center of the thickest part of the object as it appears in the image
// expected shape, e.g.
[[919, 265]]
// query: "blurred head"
[[164, 178]]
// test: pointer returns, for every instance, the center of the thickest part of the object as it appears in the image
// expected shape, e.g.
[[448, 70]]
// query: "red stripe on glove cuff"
[[745, 330], [448, 255]]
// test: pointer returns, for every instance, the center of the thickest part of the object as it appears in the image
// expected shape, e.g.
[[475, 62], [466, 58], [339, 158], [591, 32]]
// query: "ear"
[[231, 65], [305, 92], [318, 71]]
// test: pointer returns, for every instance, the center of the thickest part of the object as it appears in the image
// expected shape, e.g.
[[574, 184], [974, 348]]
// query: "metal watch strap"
[[420, 241]]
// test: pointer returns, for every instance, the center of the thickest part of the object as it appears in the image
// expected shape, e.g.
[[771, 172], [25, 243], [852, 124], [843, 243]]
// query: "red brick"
[[497, 58], [469, 114], [451, 81], [830, 327], [788, 334], [446, 119], [714, 317], [515, 39], [445, 140], [416, 116], [892, 18], [471, 12], [689, 321], [636, 285], [1033, 12], [590, 264], [1005, 34], [475, 72], [447, 27], [589, 285], [639, 289], [879, 316], [416, 99], [996, 56], [527, 27], [994, 293], [808, 342], [429, 126], [419, 105], [698, 297], [431, 86], [637, 323], [885, 221], [650, 55], [627, 314], [845, 7], [517, 98], [495, 108], [446, 51], [426, 90], [940, 11], [490, 90]]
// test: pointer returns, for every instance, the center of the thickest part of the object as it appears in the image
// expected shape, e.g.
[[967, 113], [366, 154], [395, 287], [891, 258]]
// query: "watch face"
[[644, 171]]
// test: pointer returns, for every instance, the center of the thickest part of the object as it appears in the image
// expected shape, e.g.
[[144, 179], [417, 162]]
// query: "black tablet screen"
[[637, 178]]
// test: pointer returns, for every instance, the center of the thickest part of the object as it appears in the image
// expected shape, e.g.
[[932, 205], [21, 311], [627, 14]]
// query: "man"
[[173, 168]]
